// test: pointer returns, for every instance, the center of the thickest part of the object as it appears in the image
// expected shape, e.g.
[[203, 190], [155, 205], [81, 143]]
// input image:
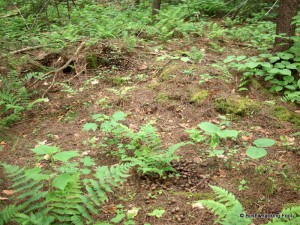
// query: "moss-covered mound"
[[283, 114], [240, 106], [199, 96]]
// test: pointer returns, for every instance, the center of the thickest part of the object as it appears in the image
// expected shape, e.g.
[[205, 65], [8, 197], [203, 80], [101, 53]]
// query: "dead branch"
[[24, 50], [61, 68]]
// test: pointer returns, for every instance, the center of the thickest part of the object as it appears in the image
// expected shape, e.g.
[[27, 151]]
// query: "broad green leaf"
[[274, 59], [285, 72], [276, 88], [256, 153], [291, 66], [259, 73], [90, 126], [297, 59], [270, 77], [289, 79], [274, 71], [240, 58], [279, 65], [62, 180], [291, 87], [265, 55], [65, 156], [252, 65], [118, 116], [209, 128], [285, 55], [266, 65], [298, 83], [157, 213], [264, 142], [228, 133], [45, 150]]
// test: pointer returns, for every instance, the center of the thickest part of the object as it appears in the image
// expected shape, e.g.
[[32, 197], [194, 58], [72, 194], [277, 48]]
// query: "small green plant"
[[14, 99], [229, 210], [259, 151], [215, 133], [281, 70], [143, 147], [66, 191], [158, 213], [242, 186], [204, 78], [122, 93]]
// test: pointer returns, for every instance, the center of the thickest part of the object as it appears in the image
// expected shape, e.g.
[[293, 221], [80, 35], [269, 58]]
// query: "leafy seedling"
[[259, 151], [157, 213], [216, 134]]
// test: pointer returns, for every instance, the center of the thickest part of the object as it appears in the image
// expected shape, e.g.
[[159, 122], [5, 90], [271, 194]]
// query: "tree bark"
[[155, 7], [287, 10]]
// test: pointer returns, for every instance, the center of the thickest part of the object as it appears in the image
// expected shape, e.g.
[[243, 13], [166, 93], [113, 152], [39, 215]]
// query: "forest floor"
[[149, 85]]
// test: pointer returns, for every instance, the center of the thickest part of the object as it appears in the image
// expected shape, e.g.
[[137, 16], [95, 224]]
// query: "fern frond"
[[216, 207], [293, 218], [225, 196], [8, 213], [227, 208]]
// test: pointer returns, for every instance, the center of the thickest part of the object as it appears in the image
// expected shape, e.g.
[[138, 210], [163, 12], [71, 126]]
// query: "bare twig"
[[20, 14], [24, 50], [161, 69], [271, 8]]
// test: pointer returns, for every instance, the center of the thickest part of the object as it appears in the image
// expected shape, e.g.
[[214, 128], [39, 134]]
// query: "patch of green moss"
[[255, 85], [240, 106], [199, 96], [283, 114], [162, 97], [169, 72]]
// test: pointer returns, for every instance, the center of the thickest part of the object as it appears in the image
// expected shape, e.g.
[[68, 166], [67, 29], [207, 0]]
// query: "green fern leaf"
[[8, 213]]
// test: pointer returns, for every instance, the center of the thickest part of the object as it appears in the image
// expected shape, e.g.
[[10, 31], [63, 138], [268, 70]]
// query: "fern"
[[8, 213], [70, 198], [142, 148], [292, 219], [227, 208]]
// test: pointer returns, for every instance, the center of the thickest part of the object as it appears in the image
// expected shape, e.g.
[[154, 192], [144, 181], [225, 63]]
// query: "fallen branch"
[[24, 50], [61, 68]]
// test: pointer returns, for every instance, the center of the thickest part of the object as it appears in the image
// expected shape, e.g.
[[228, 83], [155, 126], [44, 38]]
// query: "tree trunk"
[[287, 10], [155, 7]]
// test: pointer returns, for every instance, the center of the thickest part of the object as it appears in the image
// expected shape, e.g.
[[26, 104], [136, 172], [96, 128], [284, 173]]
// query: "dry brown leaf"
[[3, 198], [247, 138], [143, 67], [8, 192], [2, 143]]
